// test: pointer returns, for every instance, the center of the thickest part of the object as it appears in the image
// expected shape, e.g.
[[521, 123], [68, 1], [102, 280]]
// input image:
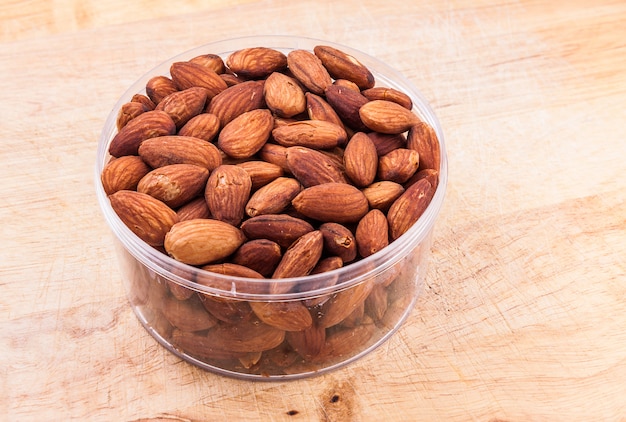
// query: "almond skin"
[[202, 241], [145, 126], [175, 184], [227, 193], [387, 117], [409, 207], [165, 150], [256, 62], [336, 202], [283, 95], [246, 134], [342, 65], [147, 217], [123, 173], [361, 160], [309, 70]]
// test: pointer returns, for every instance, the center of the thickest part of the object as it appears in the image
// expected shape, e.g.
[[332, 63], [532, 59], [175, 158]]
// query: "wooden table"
[[524, 312]]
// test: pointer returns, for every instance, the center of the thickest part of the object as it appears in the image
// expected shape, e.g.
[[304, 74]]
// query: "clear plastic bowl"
[[355, 308]]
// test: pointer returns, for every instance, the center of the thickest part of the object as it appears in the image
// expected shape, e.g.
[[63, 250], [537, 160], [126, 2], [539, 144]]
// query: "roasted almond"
[[236, 100], [309, 342], [183, 105], [227, 193], [339, 241], [204, 126], [387, 142], [312, 167], [175, 184], [336, 202], [361, 160], [128, 112], [145, 126], [318, 109], [283, 95], [274, 197], [189, 75], [317, 134], [211, 61], [387, 117], [287, 315], [398, 165], [144, 100], [381, 195], [372, 233], [343, 303], [159, 87], [431, 175], [309, 70], [423, 139], [280, 228], [342, 65], [377, 302], [147, 217], [196, 208], [388, 94], [260, 255], [187, 316], [256, 62], [165, 150], [202, 241], [275, 154], [409, 207], [123, 173], [347, 104], [246, 134], [261, 172], [298, 260]]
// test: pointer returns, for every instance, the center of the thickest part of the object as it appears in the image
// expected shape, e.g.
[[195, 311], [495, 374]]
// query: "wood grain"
[[522, 316]]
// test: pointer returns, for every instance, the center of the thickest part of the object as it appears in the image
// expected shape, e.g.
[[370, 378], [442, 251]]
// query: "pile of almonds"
[[270, 165]]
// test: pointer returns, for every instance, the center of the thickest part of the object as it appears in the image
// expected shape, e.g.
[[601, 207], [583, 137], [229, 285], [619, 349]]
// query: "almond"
[[309, 342], [147, 125], [274, 197], [260, 255], [211, 61], [361, 160], [123, 173], [196, 208], [388, 94], [202, 241], [376, 303], [236, 100], [318, 109], [246, 134], [341, 65], [372, 233], [256, 62], [248, 336], [339, 241], [298, 260], [344, 343], [230, 311], [409, 207], [261, 172], [186, 316], [342, 304], [233, 285], [280, 228], [189, 75], [431, 175], [309, 70], [317, 134], [144, 100], [275, 154], [175, 184], [398, 165], [183, 105], [387, 117], [128, 112], [387, 142], [332, 202], [381, 195], [288, 316], [283, 95], [312, 167], [347, 104], [159, 87], [147, 217], [165, 150], [423, 139], [204, 126], [227, 193]]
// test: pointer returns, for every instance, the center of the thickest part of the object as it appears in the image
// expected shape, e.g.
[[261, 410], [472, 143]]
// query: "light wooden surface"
[[524, 314]]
